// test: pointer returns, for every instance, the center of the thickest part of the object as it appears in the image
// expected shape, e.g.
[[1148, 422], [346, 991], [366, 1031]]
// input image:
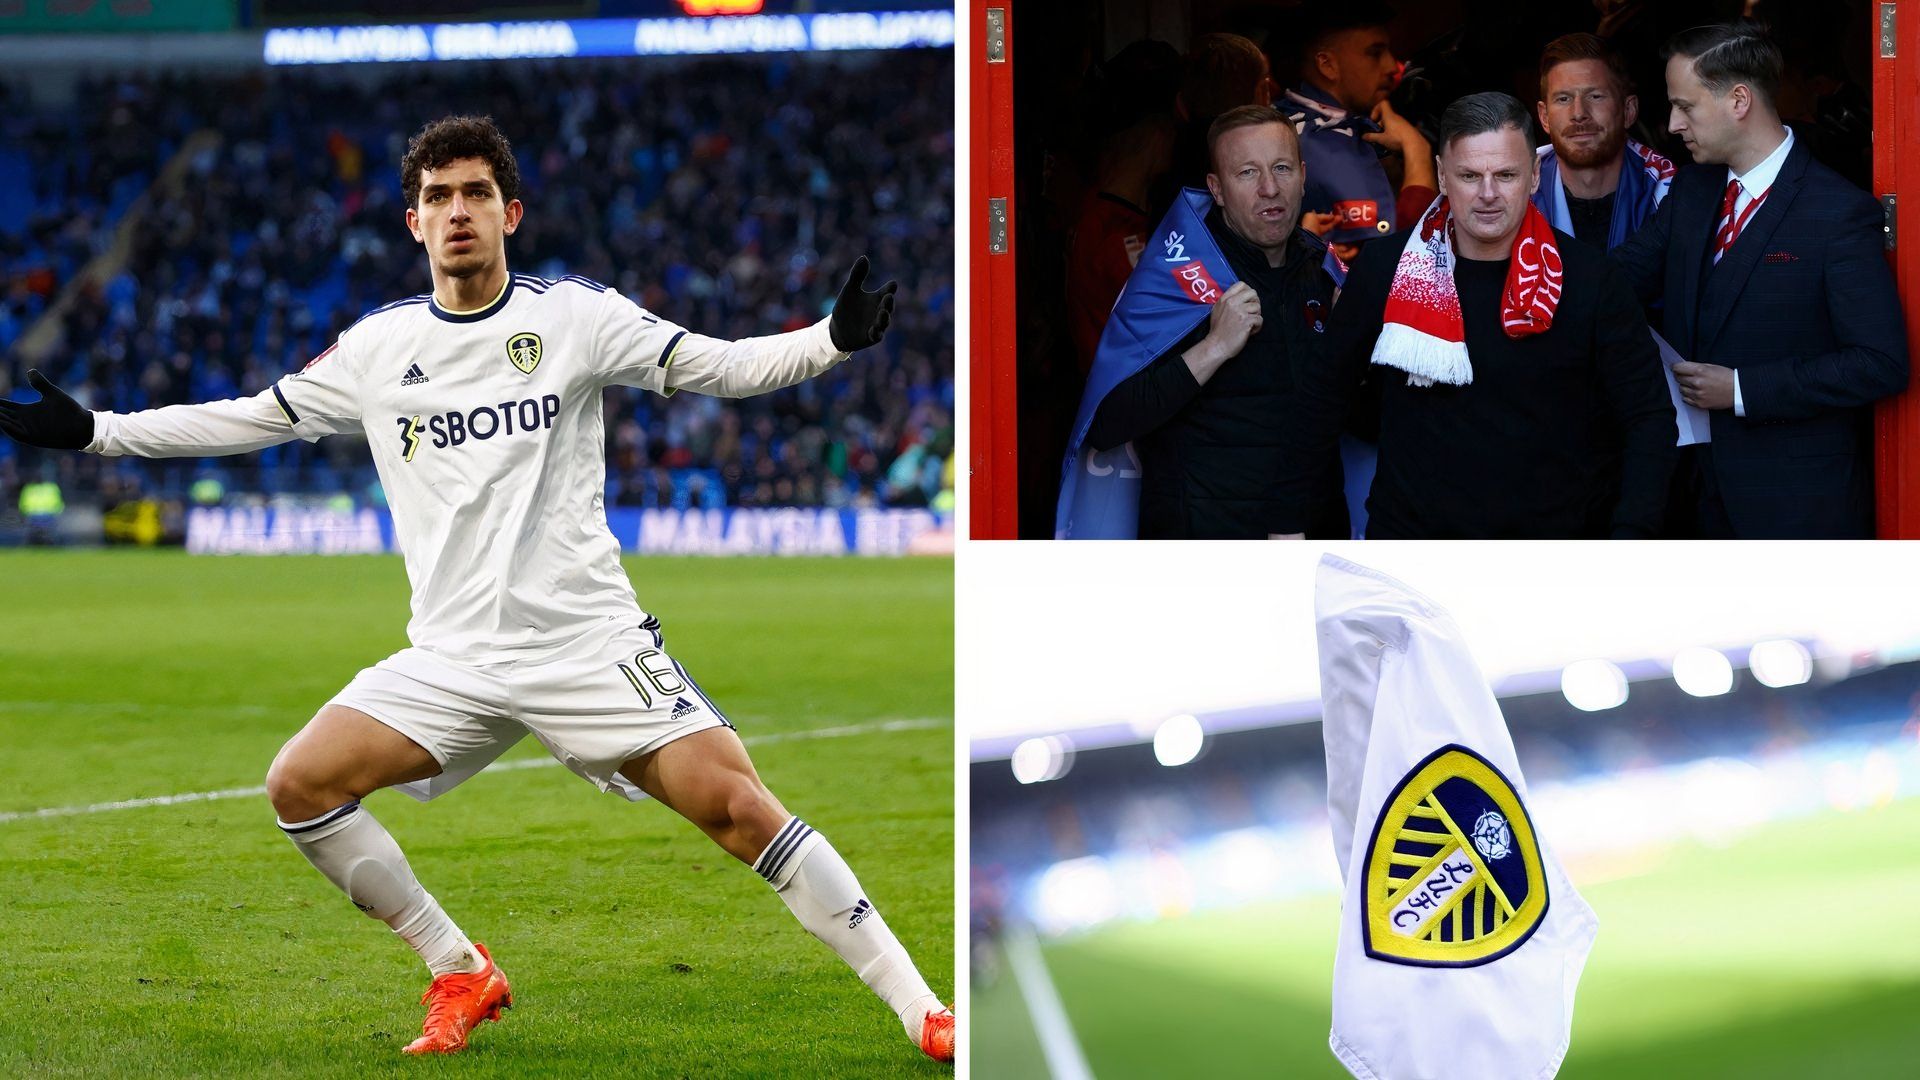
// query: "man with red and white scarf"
[[1502, 352]]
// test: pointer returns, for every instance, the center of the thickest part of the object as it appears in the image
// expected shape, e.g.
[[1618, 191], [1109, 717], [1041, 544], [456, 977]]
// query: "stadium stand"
[[1118, 802], [206, 234]]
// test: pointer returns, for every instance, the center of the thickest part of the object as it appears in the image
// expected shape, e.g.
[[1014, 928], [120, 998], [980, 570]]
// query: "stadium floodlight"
[[1703, 672], [1594, 685], [1037, 760], [1178, 741], [1780, 662], [1076, 894]]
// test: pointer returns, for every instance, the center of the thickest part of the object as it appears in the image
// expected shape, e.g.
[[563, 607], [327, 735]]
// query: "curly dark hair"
[[454, 137]]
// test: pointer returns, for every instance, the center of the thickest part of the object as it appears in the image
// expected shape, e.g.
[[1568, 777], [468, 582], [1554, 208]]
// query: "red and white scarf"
[[1424, 334]]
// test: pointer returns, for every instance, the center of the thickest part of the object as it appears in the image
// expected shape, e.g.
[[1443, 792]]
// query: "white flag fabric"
[[1461, 939]]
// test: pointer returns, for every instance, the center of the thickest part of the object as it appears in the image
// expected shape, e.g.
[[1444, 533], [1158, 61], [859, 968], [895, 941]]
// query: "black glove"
[[860, 317], [56, 421]]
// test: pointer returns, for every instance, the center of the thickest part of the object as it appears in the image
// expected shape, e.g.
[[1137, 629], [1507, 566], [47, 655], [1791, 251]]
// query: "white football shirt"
[[486, 428]]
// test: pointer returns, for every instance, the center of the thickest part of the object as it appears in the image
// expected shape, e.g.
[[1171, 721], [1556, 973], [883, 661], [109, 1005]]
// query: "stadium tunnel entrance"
[[1041, 79]]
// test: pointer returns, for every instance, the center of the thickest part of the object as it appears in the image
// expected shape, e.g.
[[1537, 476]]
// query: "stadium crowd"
[[1210, 424], [723, 194]]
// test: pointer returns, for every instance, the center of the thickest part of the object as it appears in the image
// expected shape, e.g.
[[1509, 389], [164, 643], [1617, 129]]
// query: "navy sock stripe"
[[774, 870], [767, 855], [780, 858], [780, 852], [325, 819], [787, 836]]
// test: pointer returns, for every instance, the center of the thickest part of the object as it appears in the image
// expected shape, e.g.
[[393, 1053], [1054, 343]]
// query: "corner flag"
[[1461, 939]]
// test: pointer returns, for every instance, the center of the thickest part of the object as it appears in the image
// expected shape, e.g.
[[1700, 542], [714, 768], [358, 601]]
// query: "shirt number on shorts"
[[652, 668]]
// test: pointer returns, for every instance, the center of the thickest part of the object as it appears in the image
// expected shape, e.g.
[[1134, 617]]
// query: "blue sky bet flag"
[[1344, 174], [1172, 289]]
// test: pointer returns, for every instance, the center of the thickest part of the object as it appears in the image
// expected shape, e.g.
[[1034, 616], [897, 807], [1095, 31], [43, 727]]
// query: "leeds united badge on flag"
[[1453, 870]]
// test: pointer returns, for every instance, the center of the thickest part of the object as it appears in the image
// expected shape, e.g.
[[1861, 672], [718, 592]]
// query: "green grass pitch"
[[191, 939], [1786, 955]]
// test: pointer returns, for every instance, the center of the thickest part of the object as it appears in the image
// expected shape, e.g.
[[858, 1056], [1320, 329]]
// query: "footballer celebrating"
[[482, 404]]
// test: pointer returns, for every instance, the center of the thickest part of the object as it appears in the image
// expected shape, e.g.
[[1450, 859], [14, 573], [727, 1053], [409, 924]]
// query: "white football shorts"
[[595, 702]]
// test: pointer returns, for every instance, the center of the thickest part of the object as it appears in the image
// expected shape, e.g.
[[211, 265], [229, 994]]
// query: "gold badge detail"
[[524, 351], [1454, 877]]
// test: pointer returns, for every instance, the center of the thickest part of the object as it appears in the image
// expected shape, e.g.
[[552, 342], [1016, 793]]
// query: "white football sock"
[[822, 893], [357, 854]]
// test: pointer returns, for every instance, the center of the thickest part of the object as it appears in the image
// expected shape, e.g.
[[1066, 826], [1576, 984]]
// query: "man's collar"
[[1547, 153], [1761, 176], [1320, 112], [1324, 98], [1232, 244]]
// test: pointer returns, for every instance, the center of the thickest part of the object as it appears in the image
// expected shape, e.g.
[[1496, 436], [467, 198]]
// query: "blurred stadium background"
[[195, 198], [1724, 751]]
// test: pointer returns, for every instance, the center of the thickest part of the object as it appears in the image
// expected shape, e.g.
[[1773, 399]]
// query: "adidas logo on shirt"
[[860, 911], [414, 375], [681, 707]]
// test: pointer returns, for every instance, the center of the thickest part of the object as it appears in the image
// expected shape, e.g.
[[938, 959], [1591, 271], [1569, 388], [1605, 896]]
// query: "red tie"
[[1730, 226]]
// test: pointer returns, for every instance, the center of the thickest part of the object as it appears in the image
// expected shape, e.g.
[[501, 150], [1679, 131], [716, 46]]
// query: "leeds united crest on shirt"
[[524, 350]]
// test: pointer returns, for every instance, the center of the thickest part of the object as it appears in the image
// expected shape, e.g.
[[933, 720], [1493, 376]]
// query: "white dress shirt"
[[1754, 183]]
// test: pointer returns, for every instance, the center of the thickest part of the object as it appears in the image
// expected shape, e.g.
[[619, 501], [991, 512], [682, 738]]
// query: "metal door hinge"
[[1887, 36], [997, 226], [997, 35], [1886, 224]]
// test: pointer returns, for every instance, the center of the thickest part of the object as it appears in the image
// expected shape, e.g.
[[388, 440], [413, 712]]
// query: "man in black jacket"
[[1209, 417], [1502, 352]]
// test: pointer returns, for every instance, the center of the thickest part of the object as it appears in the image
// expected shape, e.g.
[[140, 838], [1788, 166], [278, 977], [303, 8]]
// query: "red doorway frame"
[[1896, 169], [993, 407]]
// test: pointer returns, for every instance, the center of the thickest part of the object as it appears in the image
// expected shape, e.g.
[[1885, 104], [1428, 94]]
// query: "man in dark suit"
[[1777, 294]]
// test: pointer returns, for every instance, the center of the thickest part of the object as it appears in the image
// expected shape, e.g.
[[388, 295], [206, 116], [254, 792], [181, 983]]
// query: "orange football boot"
[[456, 1004], [936, 1035]]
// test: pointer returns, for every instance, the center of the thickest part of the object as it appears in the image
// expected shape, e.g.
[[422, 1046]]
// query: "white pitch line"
[[843, 731], [1064, 1057]]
